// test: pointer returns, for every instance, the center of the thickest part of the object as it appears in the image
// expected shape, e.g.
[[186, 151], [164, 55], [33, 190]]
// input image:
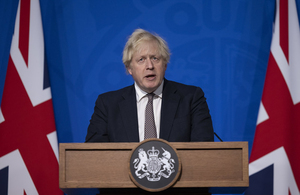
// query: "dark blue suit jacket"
[[184, 115]]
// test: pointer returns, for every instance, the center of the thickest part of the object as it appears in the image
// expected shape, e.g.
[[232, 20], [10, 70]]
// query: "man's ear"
[[129, 70]]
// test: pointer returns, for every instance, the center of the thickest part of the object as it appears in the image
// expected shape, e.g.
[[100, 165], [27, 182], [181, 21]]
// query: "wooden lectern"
[[220, 167]]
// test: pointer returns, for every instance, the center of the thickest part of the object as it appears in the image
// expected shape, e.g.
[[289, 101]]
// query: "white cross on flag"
[[28, 142], [274, 161]]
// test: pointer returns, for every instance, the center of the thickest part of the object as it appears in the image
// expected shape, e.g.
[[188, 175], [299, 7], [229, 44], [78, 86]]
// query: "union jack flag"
[[28, 141], [274, 161]]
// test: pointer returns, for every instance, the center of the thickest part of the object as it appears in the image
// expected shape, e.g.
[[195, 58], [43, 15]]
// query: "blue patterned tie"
[[150, 129]]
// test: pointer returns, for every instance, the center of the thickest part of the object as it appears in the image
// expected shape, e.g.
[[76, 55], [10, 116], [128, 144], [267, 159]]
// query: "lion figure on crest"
[[141, 163]]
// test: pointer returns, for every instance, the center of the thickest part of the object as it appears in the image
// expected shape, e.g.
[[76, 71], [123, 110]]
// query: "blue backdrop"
[[220, 45]]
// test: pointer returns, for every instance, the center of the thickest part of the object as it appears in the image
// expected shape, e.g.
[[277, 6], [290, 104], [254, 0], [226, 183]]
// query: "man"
[[180, 111]]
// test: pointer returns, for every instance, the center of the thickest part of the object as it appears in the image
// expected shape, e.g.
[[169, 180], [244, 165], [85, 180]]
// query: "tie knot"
[[150, 96]]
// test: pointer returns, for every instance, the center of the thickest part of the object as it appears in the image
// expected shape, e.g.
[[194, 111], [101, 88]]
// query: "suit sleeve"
[[97, 130], [201, 123]]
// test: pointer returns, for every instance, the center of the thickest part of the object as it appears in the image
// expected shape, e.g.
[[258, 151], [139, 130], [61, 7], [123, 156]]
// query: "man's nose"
[[149, 63]]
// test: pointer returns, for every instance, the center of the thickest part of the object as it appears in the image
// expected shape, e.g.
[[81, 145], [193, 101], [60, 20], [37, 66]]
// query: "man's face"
[[147, 66]]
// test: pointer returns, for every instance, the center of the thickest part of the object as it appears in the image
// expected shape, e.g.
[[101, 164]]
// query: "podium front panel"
[[105, 165]]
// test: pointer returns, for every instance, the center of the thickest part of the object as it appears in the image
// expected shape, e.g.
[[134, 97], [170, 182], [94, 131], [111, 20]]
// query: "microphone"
[[218, 136]]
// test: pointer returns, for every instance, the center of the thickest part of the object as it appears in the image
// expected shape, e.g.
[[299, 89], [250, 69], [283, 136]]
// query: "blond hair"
[[139, 36]]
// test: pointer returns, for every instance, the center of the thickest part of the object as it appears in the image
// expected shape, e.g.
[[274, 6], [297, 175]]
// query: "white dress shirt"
[[141, 101]]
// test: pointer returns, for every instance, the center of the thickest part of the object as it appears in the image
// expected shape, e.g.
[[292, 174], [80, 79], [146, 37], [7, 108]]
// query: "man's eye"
[[141, 60], [155, 58]]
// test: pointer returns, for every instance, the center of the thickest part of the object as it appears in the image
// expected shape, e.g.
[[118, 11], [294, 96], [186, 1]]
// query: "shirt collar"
[[140, 93]]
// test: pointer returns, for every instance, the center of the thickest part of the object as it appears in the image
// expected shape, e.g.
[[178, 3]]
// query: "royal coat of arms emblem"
[[150, 165], [154, 165]]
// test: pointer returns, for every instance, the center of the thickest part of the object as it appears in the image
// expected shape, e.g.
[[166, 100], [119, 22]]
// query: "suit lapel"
[[128, 111], [170, 103]]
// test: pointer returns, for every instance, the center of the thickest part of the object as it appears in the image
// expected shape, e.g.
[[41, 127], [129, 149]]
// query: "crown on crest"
[[153, 152]]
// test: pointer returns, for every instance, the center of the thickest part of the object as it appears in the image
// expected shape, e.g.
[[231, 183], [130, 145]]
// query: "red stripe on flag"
[[279, 129], [24, 28], [284, 27], [27, 126], [279, 114]]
